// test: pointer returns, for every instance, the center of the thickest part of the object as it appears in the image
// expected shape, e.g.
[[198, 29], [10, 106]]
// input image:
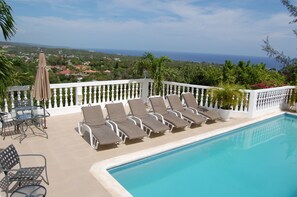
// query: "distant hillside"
[[33, 49]]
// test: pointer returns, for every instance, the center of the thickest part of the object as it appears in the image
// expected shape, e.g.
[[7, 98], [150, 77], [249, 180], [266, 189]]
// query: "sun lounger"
[[100, 131], [147, 121], [191, 103], [185, 113], [167, 116], [123, 124]]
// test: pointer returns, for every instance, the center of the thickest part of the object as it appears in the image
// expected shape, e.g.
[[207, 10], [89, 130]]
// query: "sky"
[[234, 27]]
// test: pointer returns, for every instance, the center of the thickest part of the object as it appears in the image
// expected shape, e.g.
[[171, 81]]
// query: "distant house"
[[86, 63], [107, 71], [89, 71], [58, 67], [82, 67], [66, 72]]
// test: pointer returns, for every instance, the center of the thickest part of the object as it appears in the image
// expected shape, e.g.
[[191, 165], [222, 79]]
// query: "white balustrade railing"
[[267, 100], [70, 97], [203, 95]]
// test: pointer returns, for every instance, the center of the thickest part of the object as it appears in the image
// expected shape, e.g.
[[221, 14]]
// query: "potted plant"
[[226, 96]]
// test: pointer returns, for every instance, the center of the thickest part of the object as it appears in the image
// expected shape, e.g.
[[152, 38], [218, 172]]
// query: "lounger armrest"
[[131, 119], [115, 126], [202, 108], [153, 115], [79, 128], [107, 123], [160, 117], [194, 110], [189, 109], [84, 128], [176, 113], [93, 141], [116, 129], [137, 120]]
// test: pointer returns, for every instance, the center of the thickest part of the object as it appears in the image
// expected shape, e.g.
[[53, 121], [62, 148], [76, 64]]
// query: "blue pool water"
[[259, 160]]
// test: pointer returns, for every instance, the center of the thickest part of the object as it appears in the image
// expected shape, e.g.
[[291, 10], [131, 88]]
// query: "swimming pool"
[[256, 160]]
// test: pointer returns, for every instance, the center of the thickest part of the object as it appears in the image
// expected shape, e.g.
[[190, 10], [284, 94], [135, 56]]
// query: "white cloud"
[[175, 26]]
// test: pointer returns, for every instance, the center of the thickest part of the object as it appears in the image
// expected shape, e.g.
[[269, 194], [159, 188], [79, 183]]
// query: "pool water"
[[259, 160]]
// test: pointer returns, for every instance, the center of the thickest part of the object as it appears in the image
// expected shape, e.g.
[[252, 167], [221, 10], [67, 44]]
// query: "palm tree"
[[8, 30], [6, 20], [5, 72], [155, 67]]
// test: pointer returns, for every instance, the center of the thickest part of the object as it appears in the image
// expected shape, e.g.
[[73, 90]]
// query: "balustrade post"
[[145, 90], [5, 105], [79, 95], [252, 104]]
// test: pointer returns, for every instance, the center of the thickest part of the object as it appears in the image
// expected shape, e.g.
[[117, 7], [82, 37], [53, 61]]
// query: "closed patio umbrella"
[[41, 90]]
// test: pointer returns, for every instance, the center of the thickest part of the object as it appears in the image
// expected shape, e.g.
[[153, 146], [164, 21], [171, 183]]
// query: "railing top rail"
[[275, 89], [18, 88], [189, 85], [94, 83]]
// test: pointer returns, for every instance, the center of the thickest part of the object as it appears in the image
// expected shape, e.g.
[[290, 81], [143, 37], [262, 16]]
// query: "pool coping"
[[99, 169]]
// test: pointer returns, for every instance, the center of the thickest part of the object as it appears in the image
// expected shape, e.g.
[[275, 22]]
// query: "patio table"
[[28, 116]]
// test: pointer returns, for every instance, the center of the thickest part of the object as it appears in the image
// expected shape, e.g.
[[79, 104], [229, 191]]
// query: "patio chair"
[[125, 126], [16, 175], [191, 103], [166, 116], [8, 125], [148, 122], [184, 113], [100, 131]]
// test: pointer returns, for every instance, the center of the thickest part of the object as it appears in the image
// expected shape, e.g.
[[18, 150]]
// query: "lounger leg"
[[79, 125]]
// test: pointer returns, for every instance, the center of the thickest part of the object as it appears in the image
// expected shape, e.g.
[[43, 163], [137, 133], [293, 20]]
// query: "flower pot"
[[225, 114]]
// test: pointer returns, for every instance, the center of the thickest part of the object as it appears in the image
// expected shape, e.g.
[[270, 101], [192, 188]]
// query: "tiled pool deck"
[[70, 157]]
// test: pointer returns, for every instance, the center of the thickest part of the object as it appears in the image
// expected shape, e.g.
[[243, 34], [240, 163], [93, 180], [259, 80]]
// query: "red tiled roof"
[[65, 72], [90, 71]]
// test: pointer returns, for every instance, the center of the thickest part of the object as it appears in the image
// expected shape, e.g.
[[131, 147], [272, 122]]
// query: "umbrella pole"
[[44, 119]]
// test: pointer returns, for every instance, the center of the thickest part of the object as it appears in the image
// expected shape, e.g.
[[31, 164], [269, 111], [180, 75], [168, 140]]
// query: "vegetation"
[[248, 75], [294, 97], [7, 76], [6, 20], [113, 67], [19, 64], [226, 95], [290, 64], [156, 68]]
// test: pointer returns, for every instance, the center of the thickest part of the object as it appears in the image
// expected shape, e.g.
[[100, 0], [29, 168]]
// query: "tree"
[[290, 64], [271, 52], [6, 20], [155, 67], [229, 72], [5, 72], [8, 30], [200, 74]]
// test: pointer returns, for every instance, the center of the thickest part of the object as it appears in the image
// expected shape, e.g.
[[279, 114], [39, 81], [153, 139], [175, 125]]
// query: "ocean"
[[198, 57]]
